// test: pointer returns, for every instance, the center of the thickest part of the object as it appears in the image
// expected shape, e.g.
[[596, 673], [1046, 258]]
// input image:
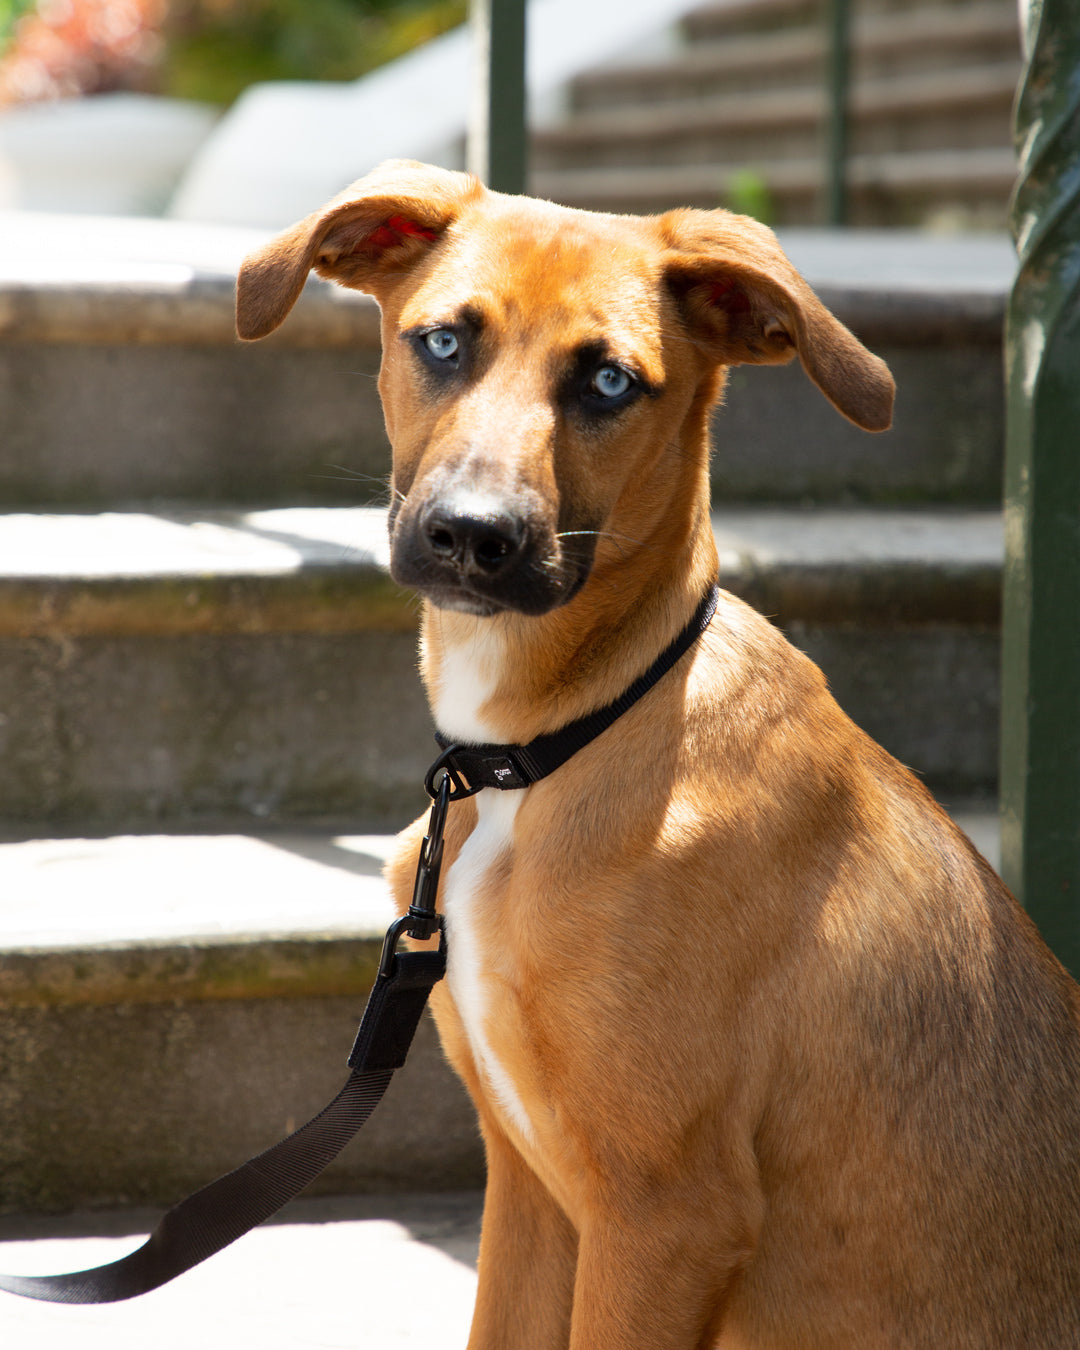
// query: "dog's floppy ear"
[[743, 300], [378, 227]]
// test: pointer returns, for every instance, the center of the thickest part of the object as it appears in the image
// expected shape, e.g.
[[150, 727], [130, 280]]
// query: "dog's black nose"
[[473, 541]]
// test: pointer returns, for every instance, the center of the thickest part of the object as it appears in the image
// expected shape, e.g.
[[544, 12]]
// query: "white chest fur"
[[463, 899], [469, 670]]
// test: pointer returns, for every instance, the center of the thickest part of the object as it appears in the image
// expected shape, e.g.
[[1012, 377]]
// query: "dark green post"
[[497, 150], [1040, 764], [837, 84]]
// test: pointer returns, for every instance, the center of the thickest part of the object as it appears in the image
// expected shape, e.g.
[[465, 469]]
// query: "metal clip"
[[420, 920]]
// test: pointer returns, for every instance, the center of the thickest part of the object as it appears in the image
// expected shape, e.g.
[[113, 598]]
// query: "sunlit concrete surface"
[[383, 1273]]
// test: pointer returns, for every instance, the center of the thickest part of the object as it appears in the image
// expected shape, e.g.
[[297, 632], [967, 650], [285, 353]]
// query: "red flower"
[[65, 48]]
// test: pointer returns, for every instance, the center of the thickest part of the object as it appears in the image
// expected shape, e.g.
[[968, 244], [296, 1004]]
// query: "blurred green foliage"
[[213, 49], [10, 10], [749, 195]]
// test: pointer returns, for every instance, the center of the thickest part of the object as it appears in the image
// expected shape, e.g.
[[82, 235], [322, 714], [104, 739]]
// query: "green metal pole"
[[1040, 764], [497, 150], [838, 83]]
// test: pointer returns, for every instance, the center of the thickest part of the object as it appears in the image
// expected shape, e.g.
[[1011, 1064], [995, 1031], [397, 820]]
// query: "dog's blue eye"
[[441, 343], [611, 381]]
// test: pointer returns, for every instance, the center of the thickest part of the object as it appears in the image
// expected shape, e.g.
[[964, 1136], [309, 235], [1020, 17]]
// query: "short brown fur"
[[796, 1070]]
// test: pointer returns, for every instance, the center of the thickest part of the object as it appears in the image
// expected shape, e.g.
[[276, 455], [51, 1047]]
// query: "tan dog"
[[764, 1053]]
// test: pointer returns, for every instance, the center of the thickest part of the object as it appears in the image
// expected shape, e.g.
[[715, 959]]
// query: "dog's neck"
[[511, 677]]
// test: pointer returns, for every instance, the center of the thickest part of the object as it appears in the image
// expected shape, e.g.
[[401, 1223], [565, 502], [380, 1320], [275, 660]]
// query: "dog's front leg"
[[655, 1277], [528, 1252]]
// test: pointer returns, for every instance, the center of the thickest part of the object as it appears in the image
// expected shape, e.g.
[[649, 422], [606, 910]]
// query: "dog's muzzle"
[[474, 546], [481, 555]]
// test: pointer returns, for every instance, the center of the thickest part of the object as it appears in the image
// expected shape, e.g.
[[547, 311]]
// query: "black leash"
[[228, 1208]]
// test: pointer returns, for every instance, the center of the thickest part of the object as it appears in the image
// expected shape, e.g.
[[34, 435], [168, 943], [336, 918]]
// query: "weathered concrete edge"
[[348, 598], [200, 311], [261, 965], [356, 594], [878, 596], [912, 317], [202, 969]]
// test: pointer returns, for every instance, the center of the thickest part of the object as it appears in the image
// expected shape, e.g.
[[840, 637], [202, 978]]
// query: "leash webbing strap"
[[228, 1208], [221, 1212], [518, 766]]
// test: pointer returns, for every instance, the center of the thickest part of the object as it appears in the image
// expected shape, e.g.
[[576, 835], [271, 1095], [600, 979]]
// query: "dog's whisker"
[[358, 473], [619, 541], [603, 534], [680, 451], [346, 474]]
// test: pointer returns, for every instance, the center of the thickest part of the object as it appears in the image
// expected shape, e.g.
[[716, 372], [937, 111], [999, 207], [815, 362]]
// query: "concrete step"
[[201, 665], [717, 19], [962, 109], [729, 17], [733, 64], [932, 89], [259, 666], [884, 45], [381, 1271], [170, 1005], [938, 187], [121, 380], [934, 37], [725, 129]]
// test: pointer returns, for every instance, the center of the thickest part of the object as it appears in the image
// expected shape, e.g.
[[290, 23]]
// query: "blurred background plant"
[[749, 195], [209, 50], [63, 48]]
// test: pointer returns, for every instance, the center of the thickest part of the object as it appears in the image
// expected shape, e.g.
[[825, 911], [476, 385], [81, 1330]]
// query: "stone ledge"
[[796, 181], [288, 692], [292, 570], [198, 970], [167, 282], [121, 380], [171, 1005], [323, 570], [171, 306], [175, 918], [165, 1096], [199, 310], [128, 280], [171, 921], [878, 567]]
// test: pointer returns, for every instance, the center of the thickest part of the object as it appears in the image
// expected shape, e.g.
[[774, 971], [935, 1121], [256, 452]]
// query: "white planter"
[[109, 154], [284, 147]]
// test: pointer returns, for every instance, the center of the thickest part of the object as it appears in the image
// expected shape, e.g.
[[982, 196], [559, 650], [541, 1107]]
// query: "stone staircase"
[[744, 98], [208, 704]]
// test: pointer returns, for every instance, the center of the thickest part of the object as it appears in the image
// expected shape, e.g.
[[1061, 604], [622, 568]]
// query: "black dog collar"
[[472, 767]]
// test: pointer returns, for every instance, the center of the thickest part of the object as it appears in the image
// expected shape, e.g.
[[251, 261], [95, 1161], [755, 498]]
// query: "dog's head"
[[547, 373]]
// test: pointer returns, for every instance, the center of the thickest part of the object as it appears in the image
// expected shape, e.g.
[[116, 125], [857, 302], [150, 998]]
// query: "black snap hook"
[[443, 796], [420, 920]]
